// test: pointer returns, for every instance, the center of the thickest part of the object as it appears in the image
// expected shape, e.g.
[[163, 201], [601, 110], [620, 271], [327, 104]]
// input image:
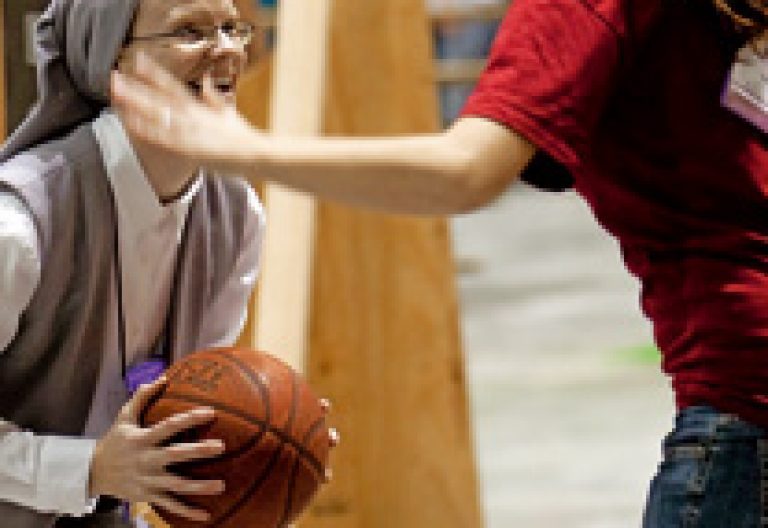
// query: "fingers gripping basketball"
[[274, 429]]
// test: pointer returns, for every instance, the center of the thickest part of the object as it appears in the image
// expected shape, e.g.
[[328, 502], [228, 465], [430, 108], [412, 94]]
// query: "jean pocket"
[[681, 483]]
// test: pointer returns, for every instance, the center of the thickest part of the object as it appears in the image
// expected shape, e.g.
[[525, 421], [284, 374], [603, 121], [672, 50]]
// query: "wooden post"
[[385, 343], [297, 109]]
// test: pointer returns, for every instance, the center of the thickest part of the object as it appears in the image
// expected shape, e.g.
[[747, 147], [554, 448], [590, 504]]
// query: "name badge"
[[746, 88]]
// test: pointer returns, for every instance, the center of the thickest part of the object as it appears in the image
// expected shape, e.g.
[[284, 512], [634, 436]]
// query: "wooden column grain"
[[253, 100], [384, 337], [297, 109]]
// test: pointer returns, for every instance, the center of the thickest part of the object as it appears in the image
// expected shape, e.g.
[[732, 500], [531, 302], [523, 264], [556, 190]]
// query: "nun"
[[115, 260]]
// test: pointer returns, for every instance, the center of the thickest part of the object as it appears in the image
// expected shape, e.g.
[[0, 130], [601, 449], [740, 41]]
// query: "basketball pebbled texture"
[[272, 425]]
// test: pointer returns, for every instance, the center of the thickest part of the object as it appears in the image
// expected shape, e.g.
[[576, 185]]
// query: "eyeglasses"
[[197, 38]]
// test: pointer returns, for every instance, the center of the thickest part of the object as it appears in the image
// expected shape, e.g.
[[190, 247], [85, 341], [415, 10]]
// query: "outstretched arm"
[[454, 171]]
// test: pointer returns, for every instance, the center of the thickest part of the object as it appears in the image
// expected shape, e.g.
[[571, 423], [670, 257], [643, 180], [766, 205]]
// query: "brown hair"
[[750, 17]]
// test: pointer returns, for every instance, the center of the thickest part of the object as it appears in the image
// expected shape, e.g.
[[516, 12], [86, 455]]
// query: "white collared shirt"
[[49, 473]]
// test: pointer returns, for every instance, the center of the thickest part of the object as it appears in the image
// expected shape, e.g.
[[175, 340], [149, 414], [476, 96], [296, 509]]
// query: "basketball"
[[273, 427]]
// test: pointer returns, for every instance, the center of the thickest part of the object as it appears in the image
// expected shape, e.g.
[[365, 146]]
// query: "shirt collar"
[[136, 199]]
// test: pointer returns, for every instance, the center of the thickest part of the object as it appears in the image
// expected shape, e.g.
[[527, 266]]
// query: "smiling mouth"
[[223, 85]]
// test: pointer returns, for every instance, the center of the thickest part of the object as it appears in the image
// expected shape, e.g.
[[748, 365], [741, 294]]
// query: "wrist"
[[251, 155], [94, 474]]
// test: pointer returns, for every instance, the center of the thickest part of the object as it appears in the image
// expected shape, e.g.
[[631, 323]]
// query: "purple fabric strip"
[[143, 373]]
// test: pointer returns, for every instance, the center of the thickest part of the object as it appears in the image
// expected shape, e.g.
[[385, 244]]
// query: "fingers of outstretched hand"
[[334, 437], [143, 111], [155, 76]]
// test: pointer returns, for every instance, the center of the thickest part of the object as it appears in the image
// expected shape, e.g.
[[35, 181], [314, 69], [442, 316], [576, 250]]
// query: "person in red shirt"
[[622, 100]]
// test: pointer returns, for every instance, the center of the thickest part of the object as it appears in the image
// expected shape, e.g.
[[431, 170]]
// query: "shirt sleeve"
[[552, 70], [44, 473], [19, 264], [230, 308]]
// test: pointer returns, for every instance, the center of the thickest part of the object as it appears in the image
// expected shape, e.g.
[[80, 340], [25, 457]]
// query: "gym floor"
[[568, 400]]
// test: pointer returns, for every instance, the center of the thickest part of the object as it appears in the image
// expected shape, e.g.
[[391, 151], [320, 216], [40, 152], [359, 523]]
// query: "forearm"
[[451, 172], [448, 172], [407, 175]]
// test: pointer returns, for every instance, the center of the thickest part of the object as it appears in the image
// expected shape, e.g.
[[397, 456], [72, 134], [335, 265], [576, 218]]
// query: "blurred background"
[[567, 400]]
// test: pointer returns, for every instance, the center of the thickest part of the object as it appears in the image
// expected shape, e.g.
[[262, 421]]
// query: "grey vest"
[[48, 373]]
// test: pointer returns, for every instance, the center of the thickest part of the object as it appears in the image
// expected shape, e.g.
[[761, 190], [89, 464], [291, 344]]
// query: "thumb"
[[143, 396]]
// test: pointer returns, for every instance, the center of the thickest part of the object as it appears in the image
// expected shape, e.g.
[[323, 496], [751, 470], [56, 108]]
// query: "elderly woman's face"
[[223, 59]]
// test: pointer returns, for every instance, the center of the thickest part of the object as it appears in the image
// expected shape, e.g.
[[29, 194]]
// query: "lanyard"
[[746, 88], [168, 331]]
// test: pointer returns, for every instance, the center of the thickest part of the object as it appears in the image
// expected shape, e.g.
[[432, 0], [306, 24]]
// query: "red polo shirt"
[[625, 95]]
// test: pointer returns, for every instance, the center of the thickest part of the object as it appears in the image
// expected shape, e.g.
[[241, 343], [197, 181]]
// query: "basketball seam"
[[253, 487], [295, 469], [253, 378], [245, 447], [294, 403], [312, 430], [265, 426], [286, 439], [291, 490]]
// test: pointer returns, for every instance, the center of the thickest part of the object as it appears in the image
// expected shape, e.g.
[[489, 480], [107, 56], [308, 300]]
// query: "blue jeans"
[[710, 475]]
